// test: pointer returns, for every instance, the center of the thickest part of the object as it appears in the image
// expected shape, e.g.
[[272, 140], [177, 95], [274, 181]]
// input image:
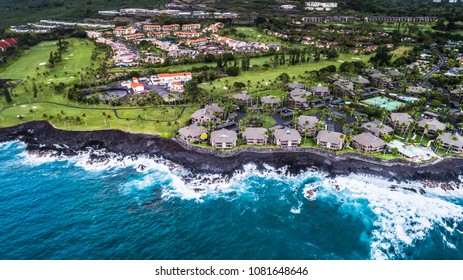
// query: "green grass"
[[77, 56], [95, 119], [262, 75]]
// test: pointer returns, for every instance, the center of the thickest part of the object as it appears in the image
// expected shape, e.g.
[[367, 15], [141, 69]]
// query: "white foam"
[[403, 217]]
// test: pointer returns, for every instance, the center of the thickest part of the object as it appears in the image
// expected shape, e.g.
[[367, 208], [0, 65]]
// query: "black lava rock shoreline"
[[41, 137]]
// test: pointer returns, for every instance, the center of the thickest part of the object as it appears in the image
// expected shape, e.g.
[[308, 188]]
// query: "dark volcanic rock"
[[40, 136]]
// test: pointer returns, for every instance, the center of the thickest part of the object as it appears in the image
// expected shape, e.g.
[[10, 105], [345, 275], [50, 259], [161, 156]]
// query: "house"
[[451, 142], [191, 133], [431, 126], [345, 87], [400, 121], [320, 90], [134, 36], [287, 137], [171, 27], [242, 98], [197, 42], [377, 128], [380, 80], [255, 135], [360, 80], [158, 34], [151, 27], [176, 86], [368, 143], [416, 90], [191, 27], [270, 101], [119, 31], [209, 113], [171, 77], [330, 140], [295, 85], [223, 139], [136, 86], [8, 43], [184, 34], [307, 125], [298, 98]]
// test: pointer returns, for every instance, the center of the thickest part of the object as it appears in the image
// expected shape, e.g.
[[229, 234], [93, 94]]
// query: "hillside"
[[18, 12]]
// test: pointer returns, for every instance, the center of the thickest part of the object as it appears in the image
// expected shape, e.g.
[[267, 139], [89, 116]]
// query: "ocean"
[[125, 208]]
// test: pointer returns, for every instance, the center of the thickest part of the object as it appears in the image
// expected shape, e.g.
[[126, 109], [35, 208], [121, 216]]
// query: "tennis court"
[[383, 102]]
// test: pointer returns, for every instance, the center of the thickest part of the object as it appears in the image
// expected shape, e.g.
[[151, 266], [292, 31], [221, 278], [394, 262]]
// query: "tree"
[[232, 71], [382, 57], [51, 60], [7, 95], [203, 137], [284, 78], [34, 90], [331, 54]]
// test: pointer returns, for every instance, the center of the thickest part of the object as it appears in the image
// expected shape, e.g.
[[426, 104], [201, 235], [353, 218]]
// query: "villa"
[[136, 86], [208, 113], [368, 143], [168, 78], [320, 90], [270, 101], [402, 121], [377, 128], [452, 142], [431, 126], [124, 31], [299, 98], [287, 137], [255, 136], [416, 90], [242, 98], [191, 133], [150, 27], [307, 125], [330, 140], [223, 138]]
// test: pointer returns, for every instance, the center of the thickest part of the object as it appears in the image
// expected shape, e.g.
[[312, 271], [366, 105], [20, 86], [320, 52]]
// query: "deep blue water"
[[68, 209]]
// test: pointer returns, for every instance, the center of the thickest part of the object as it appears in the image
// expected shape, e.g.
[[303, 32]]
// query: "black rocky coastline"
[[42, 138]]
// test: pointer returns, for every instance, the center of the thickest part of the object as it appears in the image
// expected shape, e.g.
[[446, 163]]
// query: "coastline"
[[42, 137]]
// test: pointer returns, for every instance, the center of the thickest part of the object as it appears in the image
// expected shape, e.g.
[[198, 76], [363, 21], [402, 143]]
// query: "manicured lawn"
[[253, 35], [96, 118], [263, 75], [77, 56]]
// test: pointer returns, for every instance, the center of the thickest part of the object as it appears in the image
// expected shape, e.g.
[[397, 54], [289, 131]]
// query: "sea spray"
[[98, 206]]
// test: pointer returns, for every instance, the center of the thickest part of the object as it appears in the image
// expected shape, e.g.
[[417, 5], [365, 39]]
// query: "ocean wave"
[[402, 217]]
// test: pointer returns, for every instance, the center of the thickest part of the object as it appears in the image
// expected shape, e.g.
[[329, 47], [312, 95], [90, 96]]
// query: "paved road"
[[442, 62]]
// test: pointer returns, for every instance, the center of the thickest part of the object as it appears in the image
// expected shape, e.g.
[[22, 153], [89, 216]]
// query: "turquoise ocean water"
[[67, 208]]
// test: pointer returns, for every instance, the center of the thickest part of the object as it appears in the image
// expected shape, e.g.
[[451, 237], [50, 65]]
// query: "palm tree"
[[144, 110], [139, 120], [425, 131], [164, 111], [128, 123], [84, 117], [104, 117], [109, 118]]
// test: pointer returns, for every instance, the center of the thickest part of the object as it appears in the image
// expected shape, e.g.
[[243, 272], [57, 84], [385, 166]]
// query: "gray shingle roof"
[[255, 133], [331, 137], [270, 99], [434, 125], [307, 121], [287, 134], [368, 140], [451, 139], [223, 136], [401, 118], [192, 130]]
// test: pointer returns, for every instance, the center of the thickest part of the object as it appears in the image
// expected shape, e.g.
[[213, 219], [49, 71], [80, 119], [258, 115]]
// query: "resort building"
[[171, 27], [209, 113], [223, 139], [191, 27], [377, 128], [191, 133], [451, 142], [151, 27], [124, 31], [295, 85], [242, 98], [380, 80], [320, 90], [270, 101], [136, 86], [368, 143], [287, 137], [255, 136], [400, 121], [330, 140], [307, 125], [416, 90], [299, 98], [431, 126], [168, 78]]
